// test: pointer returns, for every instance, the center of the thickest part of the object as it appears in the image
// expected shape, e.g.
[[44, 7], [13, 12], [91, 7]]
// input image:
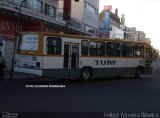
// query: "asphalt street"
[[123, 94]]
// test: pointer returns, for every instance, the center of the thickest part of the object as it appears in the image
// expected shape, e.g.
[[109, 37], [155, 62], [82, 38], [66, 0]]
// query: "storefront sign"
[[7, 26], [75, 24]]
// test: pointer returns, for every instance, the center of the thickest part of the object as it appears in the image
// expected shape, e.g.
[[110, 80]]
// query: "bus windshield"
[[28, 43]]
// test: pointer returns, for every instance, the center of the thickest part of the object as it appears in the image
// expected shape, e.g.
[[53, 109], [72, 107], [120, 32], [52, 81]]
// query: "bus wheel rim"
[[85, 74]]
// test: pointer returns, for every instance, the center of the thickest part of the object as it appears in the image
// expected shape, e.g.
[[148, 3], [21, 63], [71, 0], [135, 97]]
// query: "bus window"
[[97, 48], [101, 49], [93, 48], [139, 51], [127, 50], [28, 43], [84, 49], [113, 49], [53, 45]]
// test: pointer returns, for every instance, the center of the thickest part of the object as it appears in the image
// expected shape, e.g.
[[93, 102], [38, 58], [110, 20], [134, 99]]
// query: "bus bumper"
[[28, 71]]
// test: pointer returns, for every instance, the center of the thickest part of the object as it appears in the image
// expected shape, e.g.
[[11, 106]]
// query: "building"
[[44, 15], [148, 40], [122, 19], [86, 12], [134, 35], [109, 25], [131, 33], [141, 36]]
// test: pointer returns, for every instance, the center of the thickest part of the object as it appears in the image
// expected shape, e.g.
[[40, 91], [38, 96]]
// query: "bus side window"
[[93, 48], [97, 48], [100, 48], [139, 50], [113, 49], [53, 45], [127, 50], [84, 49]]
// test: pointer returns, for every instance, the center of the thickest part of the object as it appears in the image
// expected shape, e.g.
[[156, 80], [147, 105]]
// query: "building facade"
[[86, 13], [38, 15], [131, 33], [141, 36], [134, 35], [109, 25]]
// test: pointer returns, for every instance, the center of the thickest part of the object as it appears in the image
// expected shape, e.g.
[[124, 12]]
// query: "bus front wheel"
[[85, 74]]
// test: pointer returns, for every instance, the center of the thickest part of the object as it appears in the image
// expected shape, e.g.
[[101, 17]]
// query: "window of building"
[[139, 50], [50, 10], [91, 8], [40, 6], [97, 48], [53, 45], [35, 5], [127, 50], [113, 49], [19, 2], [84, 49]]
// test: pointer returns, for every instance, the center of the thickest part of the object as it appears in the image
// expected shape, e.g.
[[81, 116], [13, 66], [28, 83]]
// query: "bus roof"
[[147, 45]]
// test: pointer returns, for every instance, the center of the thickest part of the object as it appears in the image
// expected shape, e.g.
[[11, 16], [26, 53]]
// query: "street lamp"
[[15, 41]]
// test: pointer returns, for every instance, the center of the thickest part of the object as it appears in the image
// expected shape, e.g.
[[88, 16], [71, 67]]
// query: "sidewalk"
[[18, 76]]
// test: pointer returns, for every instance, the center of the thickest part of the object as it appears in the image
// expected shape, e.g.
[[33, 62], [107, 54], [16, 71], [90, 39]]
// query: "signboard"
[[29, 43], [8, 26], [108, 7], [75, 24], [107, 21]]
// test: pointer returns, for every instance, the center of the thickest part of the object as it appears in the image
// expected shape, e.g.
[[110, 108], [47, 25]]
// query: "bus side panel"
[[110, 67], [112, 72], [61, 73], [28, 64], [53, 73], [53, 66]]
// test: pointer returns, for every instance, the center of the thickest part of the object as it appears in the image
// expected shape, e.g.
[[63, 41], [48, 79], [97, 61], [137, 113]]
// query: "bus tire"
[[138, 73], [85, 74]]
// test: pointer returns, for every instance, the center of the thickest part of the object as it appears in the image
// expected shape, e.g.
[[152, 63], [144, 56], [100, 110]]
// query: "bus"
[[72, 56]]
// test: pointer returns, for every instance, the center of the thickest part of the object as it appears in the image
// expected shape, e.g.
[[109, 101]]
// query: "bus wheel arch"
[[139, 71], [86, 73]]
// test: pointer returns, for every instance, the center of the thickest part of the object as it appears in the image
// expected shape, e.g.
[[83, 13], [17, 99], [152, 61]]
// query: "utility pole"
[[16, 38]]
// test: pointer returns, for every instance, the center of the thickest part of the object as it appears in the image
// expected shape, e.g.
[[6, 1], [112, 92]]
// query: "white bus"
[[70, 56]]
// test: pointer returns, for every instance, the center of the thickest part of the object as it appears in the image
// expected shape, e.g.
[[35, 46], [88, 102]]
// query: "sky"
[[142, 14]]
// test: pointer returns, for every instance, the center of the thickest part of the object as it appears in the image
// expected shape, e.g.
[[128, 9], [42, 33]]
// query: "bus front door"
[[71, 59], [148, 61]]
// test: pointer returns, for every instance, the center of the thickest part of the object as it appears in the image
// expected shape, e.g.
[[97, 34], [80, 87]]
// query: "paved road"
[[120, 94]]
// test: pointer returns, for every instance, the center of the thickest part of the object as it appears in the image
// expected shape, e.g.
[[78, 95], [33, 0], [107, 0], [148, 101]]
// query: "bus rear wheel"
[[85, 74], [138, 73]]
